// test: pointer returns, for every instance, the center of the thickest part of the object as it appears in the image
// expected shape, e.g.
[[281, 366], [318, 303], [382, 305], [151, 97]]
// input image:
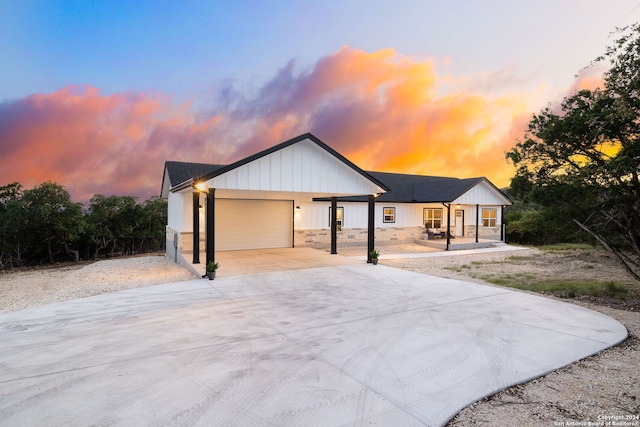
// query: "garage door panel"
[[253, 224]]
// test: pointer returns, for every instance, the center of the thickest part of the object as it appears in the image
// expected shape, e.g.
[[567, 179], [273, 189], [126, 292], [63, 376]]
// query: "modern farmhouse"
[[303, 193]]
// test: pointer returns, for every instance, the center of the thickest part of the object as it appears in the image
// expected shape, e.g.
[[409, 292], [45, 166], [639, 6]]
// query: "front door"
[[459, 222]]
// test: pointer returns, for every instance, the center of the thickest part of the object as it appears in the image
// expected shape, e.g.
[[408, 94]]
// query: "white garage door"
[[253, 224]]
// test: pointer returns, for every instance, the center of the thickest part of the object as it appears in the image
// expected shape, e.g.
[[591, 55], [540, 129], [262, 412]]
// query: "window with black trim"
[[489, 217], [389, 214], [339, 217], [432, 217]]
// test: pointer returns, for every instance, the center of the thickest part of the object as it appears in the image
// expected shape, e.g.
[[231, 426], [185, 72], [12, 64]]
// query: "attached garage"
[[253, 224], [258, 201]]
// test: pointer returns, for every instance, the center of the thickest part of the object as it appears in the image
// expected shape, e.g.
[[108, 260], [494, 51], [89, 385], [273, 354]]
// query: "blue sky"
[[180, 48], [224, 63]]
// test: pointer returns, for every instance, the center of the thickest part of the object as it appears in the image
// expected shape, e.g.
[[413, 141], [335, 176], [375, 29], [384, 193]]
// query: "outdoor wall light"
[[298, 209], [201, 186]]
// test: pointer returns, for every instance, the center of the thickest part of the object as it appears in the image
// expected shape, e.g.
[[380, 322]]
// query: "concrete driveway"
[[327, 346]]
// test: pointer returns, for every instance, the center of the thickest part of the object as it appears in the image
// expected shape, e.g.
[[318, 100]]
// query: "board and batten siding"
[[179, 212], [482, 194], [301, 167]]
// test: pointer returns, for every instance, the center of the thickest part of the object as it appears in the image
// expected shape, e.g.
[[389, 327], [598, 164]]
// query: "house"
[[303, 193]]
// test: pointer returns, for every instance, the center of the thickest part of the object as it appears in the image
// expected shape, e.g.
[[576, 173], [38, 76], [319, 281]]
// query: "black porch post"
[[371, 227], [334, 225], [211, 214], [477, 221], [448, 225], [196, 228], [502, 239]]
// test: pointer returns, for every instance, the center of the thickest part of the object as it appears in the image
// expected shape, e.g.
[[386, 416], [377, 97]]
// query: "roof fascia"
[[481, 180], [502, 193], [505, 195], [164, 176], [185, 184]]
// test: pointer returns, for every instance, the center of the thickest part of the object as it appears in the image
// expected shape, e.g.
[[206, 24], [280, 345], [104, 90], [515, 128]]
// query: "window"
[[388, 214], [432, 218], [339, 218], [489, 216]]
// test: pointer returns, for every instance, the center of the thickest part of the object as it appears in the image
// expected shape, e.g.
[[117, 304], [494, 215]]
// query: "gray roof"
[[402, 188], [180, 171], [418, 188], [423, 189]]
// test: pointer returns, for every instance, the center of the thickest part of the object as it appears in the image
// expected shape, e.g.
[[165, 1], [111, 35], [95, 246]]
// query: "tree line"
[[43, 225], [577, 179], [578, 175]]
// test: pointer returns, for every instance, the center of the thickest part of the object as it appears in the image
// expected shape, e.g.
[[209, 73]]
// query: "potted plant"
[[212, 266], [374, 256]]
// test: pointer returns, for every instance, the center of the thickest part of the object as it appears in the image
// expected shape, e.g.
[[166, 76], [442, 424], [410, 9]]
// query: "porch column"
[[196, 228], [334, 225], [502, 239], [448, 225], [211, 215], [477, 221], [371, 227]]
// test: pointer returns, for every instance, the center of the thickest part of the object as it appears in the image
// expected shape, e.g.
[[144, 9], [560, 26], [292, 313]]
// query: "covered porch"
[[461, 243]]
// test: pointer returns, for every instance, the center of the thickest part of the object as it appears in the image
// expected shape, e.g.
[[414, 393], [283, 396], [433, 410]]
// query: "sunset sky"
[[96, 96]]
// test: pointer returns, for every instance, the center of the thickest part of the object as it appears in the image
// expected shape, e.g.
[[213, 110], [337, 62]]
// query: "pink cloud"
[[92, 143], [382, 110]]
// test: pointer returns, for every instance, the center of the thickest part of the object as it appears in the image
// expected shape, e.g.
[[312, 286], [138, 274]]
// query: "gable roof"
[[222, 169], [400, 188]]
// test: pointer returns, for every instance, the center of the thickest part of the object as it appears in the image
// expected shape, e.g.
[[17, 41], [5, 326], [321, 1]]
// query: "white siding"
[[302, 167], [483, 194], [356, 215], [177, 211]]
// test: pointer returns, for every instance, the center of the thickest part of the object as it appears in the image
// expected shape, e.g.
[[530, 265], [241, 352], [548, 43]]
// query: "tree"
[[14, 242], [151, 230], [111, 221], [583, 160], [52, 218]]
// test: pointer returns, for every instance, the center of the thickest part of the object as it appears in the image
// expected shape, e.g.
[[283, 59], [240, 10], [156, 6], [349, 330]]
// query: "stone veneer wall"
[[307, 238], [322, 236], [185, 240], [483, 232]]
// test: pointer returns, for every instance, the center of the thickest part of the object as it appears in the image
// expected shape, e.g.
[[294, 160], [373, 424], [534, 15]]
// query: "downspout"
[[196, 228]]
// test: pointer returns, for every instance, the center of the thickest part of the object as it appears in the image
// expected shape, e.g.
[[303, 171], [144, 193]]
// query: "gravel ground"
[[600, 389], [41, 286]]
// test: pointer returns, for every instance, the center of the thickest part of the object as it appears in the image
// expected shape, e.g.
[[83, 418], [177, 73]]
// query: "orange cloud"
[[92, 143], [382, 110]]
